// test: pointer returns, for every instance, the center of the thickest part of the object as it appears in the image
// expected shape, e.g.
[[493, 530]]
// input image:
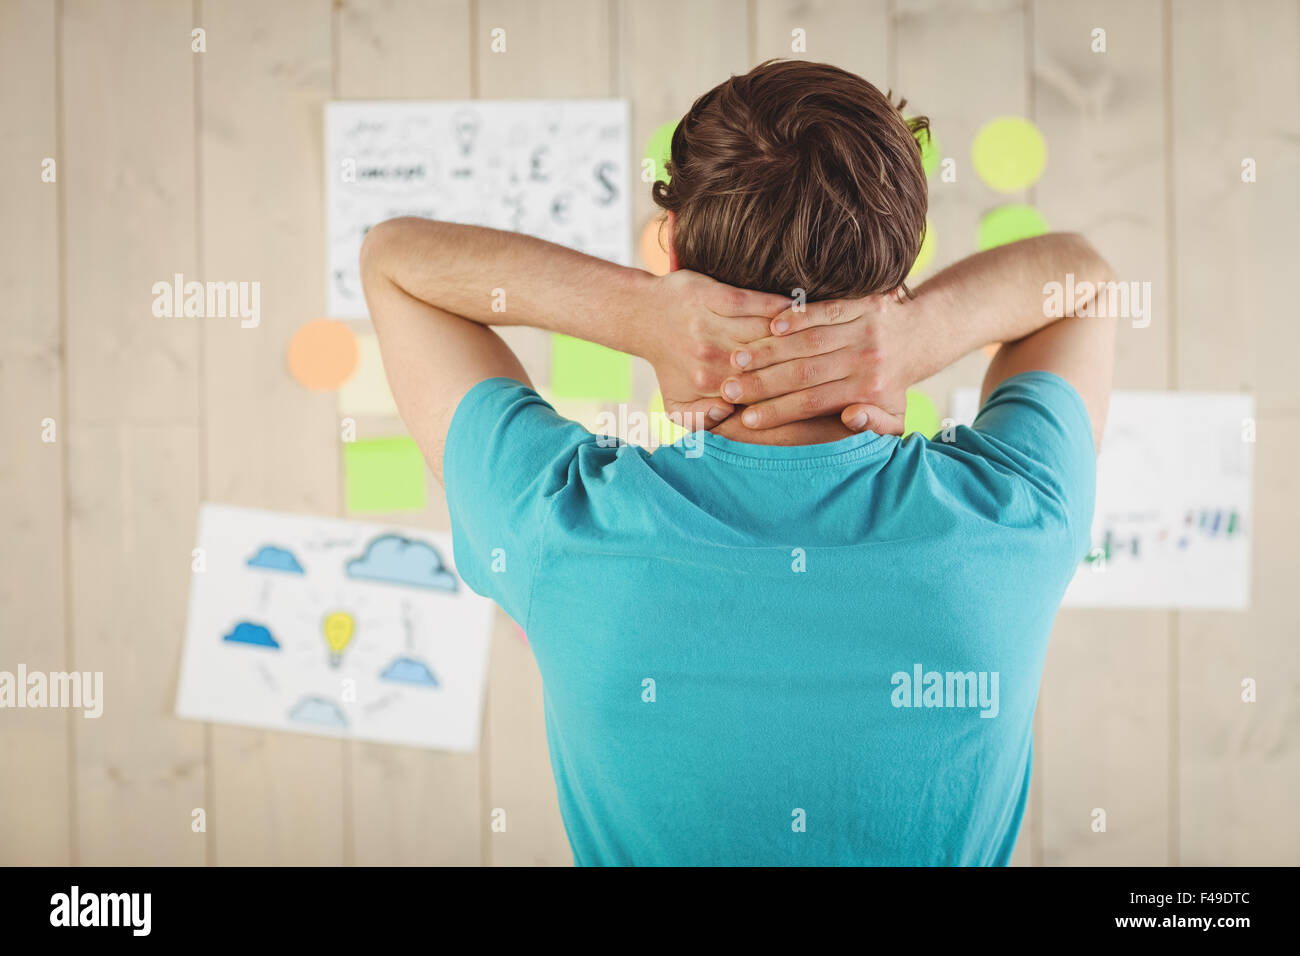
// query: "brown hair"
[[797, 175]]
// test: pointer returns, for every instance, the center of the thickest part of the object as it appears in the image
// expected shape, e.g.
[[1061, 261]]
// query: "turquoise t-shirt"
[[823, 654]]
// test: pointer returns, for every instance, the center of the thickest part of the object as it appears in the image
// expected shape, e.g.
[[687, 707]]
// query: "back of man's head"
[[794, 176]]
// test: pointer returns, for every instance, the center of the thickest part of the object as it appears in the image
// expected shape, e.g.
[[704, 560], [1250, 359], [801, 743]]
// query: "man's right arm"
[[864, 354], [1078, 348]]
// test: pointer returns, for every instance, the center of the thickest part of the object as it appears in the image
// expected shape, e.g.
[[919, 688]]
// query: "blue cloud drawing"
[[246, 632], [275, 559], [396, 560], [319, 711], [408, 670]]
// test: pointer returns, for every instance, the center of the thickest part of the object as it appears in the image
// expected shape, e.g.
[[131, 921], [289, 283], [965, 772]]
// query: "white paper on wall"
[[1172, 523], [333, 627], [555, 169]]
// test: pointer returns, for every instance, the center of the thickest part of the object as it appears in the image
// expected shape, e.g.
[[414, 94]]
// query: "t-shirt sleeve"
[[508, 454], [1035, 425]]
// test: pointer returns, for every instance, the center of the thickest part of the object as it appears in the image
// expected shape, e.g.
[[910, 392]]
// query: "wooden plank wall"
[[1105, 694], [134, 433], [209, 164], [36, 804], [1236, 81]]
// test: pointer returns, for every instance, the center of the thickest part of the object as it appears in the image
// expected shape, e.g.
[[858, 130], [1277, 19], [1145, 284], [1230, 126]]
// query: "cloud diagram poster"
[[333, 627]]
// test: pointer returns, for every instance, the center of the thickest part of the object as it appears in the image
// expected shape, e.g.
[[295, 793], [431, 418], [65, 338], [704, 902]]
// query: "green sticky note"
[[1010, 224], [384, 474], [581, 369], [921, 415], [1009, 153], [660, 149]]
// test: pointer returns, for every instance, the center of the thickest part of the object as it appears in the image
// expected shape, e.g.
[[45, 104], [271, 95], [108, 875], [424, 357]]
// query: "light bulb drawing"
[[339, 628], [465, 126]]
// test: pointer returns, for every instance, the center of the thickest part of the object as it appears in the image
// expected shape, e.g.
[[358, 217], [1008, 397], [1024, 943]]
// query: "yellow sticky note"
[[384, 474], [366, 392], [582, 369], [1009, 153], [926, 252]]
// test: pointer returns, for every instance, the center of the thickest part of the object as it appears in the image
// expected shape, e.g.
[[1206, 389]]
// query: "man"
[[795, 638]]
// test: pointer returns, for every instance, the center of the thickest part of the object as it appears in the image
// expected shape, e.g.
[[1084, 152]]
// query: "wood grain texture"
[[140, 771], [278, 798], [1236, 95], [1239, 762], [1105, 699], [402, 49], [133, 423], [35, 803], [853, 34]]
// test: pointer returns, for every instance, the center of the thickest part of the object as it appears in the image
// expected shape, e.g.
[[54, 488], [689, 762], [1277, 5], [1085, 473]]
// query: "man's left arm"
[[431, 287]]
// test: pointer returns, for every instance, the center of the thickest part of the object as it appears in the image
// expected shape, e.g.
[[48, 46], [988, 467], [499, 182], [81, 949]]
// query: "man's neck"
[[813, 431]]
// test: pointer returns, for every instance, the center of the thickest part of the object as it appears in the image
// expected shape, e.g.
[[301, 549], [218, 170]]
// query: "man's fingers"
[[775, 349], [831, 312], [860, 418], [699, 415], [746, 328], [795, 406], [792, 376], [731, 301]]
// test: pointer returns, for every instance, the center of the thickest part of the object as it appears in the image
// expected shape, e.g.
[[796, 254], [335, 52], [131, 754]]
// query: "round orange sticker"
[[322, 354]]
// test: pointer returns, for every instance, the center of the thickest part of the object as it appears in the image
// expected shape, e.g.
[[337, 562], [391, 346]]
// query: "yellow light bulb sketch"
[[338, 629]]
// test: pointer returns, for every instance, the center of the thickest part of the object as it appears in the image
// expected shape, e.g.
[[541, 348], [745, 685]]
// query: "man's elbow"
[[377, 247], [1087, 261]]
